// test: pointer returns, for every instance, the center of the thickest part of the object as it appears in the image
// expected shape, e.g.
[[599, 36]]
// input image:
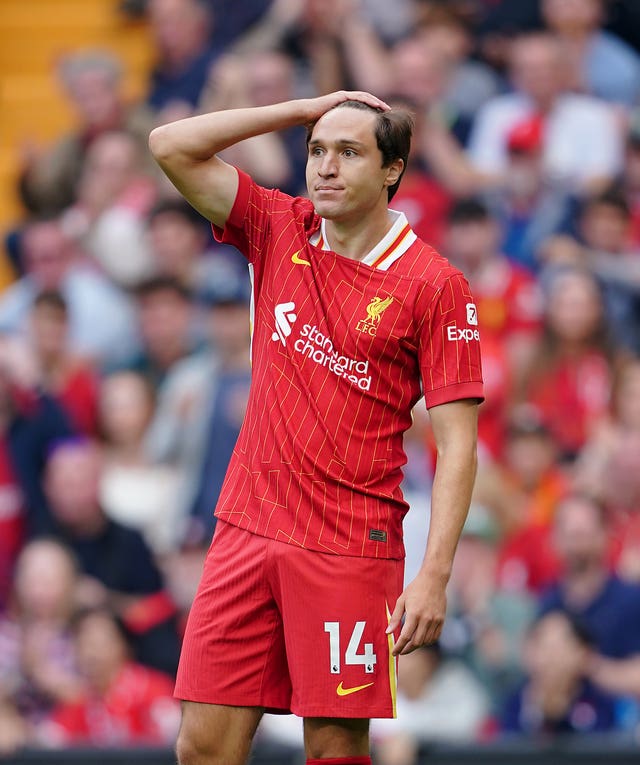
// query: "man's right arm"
[[186, 150]]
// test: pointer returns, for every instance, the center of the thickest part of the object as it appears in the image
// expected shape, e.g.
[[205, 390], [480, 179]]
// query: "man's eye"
[[349, 153]]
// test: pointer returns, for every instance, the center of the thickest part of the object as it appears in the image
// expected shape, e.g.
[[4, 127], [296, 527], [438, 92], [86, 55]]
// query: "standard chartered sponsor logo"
[[319, 349]]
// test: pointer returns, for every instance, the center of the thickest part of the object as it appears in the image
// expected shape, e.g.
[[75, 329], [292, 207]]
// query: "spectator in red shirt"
[[569, 378], [123, 704], [68, 378], [508, 300]]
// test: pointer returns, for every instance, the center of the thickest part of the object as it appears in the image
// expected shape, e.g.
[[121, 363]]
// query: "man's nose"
[[328, 166]]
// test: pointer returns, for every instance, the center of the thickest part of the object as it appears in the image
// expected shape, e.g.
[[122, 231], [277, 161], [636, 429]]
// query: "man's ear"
[[394, 171]]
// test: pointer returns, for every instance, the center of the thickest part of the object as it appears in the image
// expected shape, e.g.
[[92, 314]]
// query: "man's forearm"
[[450, 498], [616, 676], [199, 138]]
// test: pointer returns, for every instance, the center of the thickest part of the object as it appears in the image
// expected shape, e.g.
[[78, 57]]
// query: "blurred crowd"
[[124, 361]]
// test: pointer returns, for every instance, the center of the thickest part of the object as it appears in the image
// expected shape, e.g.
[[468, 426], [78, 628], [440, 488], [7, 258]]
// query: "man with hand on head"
[[301, 603]]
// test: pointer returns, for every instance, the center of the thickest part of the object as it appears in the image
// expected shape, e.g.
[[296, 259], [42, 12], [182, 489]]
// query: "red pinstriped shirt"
[[341, 351]]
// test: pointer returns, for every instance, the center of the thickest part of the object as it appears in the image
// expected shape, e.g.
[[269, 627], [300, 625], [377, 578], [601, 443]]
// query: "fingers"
[[396, 616], [366, 98], [416, 633]]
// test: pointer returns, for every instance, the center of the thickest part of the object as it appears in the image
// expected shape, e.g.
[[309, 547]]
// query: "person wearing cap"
[[528, 207], [581, 142]]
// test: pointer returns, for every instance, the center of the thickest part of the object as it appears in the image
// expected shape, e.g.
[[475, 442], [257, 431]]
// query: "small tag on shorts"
[[376, 535]]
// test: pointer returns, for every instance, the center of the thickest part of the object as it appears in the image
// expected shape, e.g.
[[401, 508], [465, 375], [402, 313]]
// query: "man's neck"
[[355, 240], [582, 588]]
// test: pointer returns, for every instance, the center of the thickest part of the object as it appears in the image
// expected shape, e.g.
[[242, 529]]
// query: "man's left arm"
[[423, 601]]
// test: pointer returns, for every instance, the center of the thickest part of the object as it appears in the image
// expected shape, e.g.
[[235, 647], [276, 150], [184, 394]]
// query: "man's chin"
[[326, 212]]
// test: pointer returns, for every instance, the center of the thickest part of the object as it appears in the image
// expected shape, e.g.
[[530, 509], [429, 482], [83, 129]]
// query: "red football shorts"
[[276, 626]]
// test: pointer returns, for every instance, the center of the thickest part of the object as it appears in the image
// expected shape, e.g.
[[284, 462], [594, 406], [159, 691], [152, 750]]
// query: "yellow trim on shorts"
[[393, 676]]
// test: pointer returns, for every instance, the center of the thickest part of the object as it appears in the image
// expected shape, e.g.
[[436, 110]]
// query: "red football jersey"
[[341, 351]]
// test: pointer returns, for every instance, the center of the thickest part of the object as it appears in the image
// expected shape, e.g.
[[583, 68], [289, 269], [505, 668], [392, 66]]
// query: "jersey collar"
[[391, 247]]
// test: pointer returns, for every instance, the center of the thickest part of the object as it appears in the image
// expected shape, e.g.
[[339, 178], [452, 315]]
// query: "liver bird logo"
[[376, 308]]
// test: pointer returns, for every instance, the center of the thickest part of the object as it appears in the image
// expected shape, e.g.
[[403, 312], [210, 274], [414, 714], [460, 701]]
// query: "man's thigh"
[[233, 651], [335, 612], [215, 733]]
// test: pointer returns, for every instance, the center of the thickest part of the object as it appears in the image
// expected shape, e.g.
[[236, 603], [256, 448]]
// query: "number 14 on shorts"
[[351, 656]]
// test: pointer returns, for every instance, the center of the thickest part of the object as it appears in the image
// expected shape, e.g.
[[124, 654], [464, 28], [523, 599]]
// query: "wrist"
[[435, 571]]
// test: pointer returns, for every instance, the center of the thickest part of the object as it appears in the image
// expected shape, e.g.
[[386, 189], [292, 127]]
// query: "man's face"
[[164, 321], [538, 69], [72, 483], [470, 243], [176, 243], [580, 537], [47, 254], [345, 177]]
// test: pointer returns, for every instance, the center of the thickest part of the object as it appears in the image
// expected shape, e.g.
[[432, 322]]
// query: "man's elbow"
[[160, 144]]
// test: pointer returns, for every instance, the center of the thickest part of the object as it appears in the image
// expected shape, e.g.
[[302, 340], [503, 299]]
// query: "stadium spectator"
[[486, 619], [439, 699], [527, 485], [181, 30], [201, 408], [601, 63], [582, 142], [586, 590], [114, 195], [37, 656], [469, 81], [226, 396], [528, 208], [133, 490], [93, 83], [507, 297], [179, 238], [570, 375], [605, 225], [31, 422], [608, 467], [629, 180], [557, 697], [71, 380], [101, 318], [118, 566], [165, 314], [235, 82], [122, 703]]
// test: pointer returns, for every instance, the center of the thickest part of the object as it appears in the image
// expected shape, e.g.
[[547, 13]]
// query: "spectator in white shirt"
[[582, 141]]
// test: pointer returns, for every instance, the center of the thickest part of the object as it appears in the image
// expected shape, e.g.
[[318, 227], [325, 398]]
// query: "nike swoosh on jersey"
[[298, 260], [346, 691]]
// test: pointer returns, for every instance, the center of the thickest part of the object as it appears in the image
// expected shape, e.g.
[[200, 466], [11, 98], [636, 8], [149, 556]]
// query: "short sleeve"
[[449, 347], [248, 224]]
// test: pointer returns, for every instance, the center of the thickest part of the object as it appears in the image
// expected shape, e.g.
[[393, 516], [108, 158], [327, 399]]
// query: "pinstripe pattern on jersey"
[[318, 462]]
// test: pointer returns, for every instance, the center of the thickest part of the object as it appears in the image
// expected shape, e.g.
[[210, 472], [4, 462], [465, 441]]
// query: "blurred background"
[[124, 359]]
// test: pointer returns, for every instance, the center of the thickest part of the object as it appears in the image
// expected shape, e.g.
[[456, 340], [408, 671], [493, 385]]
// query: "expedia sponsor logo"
[[455, 334]]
